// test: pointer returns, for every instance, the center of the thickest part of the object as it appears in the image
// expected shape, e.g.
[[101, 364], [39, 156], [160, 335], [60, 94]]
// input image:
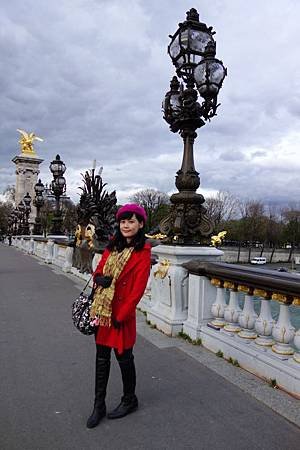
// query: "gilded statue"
[[217, 240], [158, 236], [26, 142], [162, 269]]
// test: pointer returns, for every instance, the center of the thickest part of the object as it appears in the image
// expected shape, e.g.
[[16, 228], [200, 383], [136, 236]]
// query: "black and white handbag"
[[81, 312]]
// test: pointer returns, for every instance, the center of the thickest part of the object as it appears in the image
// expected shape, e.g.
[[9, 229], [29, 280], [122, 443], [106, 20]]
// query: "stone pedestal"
[[201, 297], [27, 170], [169, 285]]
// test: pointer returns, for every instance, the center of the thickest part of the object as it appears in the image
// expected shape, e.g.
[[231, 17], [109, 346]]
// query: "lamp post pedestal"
[[57, 221], [37, 228], [169, 285]]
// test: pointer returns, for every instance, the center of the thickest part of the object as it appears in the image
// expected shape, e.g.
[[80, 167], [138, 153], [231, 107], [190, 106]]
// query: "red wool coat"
[[129, 289]]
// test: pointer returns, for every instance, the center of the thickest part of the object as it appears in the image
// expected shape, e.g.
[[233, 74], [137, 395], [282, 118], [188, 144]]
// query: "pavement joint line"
[[279, 401]]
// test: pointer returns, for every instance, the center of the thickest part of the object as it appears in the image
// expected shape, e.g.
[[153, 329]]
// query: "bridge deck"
[[47, 371]]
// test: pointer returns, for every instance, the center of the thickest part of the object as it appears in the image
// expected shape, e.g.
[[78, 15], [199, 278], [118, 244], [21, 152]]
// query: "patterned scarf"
[[102, 302]]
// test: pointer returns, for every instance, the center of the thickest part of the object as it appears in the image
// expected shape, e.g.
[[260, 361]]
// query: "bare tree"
[[5, 210], [222, 208], [253, 221], [291, 225], [10, 193], [155, 203], [70, 218], [274, 225]]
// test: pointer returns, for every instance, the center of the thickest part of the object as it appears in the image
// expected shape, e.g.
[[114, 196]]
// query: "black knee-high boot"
[[101, 380], [129, 401]]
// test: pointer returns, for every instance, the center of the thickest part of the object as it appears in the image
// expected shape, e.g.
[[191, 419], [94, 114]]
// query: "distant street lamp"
[[15, 222], [20, 214], [27, 201], [58, 188], [38, 202], [10, 224], [192, 50]]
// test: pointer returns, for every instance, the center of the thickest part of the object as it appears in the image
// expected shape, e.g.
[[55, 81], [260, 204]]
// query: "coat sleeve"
[[141, 275], [99, 268]]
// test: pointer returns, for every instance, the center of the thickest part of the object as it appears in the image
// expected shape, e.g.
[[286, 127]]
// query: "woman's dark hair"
[[119, 242]]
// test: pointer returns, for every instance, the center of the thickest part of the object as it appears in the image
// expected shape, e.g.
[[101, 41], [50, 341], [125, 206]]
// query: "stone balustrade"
[[56, 251], [244, 314], [251, 319]]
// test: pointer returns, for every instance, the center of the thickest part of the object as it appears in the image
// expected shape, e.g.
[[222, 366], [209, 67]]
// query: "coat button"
[[124, 283]]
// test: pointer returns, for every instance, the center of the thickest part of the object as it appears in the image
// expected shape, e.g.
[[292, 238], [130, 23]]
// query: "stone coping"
[[180, 250], [255, 278]]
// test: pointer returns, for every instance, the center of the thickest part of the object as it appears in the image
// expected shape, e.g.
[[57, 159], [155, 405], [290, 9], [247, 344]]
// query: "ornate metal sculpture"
[[26, 142], [96, 220], [192, 50]]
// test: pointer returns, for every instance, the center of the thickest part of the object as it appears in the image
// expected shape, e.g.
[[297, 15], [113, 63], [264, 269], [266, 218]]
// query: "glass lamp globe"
[[39, 188], [188, 44], [57, 167], [209, 74]]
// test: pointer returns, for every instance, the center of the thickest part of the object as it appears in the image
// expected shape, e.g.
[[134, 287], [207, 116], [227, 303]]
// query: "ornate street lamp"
[[12, 222], [57, 167], [192, 50], [15, 222], [58, 188], [20, 213], [27, 201], [38, 202]]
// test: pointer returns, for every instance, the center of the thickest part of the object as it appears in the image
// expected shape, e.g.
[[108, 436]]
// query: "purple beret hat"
[[133, 208]]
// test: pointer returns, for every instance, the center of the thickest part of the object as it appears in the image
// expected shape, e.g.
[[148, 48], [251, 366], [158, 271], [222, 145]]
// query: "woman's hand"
[[103, 281]]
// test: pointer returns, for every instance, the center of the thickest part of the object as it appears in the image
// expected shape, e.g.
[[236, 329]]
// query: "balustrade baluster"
[[232, 310], [283, 332], [248, 316], [218, 307], [265, 322], [296, 355]]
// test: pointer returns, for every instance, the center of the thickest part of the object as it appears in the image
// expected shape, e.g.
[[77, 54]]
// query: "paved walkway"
[[47, 370]]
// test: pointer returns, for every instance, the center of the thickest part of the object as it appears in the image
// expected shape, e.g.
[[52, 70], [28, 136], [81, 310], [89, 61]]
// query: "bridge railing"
[[58, 252], [254, 318]]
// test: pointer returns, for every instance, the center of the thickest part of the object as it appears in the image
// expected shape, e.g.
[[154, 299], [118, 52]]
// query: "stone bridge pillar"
[[27, 170]]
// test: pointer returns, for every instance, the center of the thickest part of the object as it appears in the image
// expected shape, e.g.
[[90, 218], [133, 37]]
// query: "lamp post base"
[[57, 225], [168, 308], [187, 222]]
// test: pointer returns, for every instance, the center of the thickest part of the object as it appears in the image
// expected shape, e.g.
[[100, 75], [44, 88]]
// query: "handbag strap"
[[87, 283]]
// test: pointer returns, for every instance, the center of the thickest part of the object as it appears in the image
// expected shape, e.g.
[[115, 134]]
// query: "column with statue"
[[27, 169]]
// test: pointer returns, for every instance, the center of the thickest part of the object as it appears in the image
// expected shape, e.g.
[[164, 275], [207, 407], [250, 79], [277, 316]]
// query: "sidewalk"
[[186, 400]]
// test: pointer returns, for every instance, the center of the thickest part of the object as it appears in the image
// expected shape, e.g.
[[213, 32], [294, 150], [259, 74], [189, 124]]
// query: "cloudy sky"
[[89, 76]]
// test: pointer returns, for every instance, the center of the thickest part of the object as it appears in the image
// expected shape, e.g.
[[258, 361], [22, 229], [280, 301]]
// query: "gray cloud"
[[232, 155], [89, 76]]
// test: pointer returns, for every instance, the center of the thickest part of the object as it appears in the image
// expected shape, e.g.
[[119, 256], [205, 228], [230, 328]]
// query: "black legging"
[[104, 352]]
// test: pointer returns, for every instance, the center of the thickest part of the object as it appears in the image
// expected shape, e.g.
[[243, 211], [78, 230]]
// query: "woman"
[[121, 278]]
